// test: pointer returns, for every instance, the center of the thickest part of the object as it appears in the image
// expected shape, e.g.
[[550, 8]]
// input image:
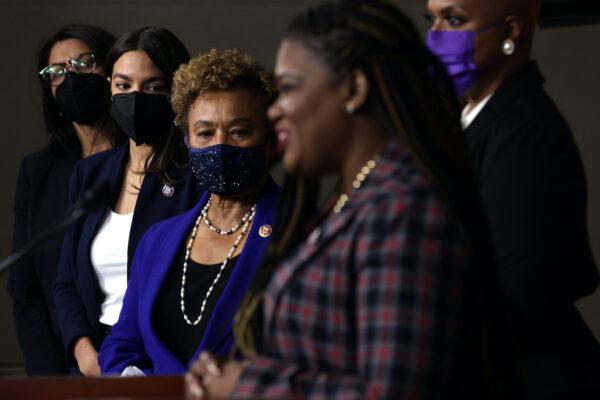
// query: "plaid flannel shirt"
[[367, 307]]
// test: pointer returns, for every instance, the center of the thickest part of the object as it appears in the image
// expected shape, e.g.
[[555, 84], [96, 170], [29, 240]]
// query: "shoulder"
[[534, 109], [44, 162], [530, 132], [162, 230], [39, 159], [521, 112], [399, 191], [92, 167], [99, 160]]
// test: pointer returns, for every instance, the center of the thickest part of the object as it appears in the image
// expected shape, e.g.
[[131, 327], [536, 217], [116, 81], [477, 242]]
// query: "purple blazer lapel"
[[218, 335]]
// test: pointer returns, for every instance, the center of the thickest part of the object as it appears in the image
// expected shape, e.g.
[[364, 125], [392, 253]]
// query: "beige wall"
[[569, 58]]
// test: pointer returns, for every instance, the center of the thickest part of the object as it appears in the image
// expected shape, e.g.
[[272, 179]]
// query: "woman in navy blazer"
[[189, 276], [148, 182]]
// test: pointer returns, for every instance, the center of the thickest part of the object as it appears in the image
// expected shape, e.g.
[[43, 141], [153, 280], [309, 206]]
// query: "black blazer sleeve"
[[534, 194], [41, 349], [69, 306]]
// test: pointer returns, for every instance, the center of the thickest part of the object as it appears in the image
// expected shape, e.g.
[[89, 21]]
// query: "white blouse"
[[109, 258], [469, 114]]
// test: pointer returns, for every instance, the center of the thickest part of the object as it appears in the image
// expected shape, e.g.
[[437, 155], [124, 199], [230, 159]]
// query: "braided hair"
[[411, 95]]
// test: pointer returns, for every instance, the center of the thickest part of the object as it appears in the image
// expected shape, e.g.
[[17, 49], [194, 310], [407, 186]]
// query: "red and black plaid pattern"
[[368, 306]]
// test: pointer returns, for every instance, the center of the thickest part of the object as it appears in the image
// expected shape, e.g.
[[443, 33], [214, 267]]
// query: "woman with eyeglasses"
[[148, 183], [75, 103]]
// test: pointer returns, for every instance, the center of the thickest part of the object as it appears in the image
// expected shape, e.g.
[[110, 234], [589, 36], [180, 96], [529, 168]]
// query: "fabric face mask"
[[143, 117], [82, 98], [456, 52], [226, 170]]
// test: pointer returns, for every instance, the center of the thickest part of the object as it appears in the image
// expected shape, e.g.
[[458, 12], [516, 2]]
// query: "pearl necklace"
[[223, 265], [356, 184], [204, 215]]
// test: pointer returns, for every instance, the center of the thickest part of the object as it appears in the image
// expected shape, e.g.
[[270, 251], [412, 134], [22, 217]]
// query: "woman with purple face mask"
[[532, 185], [191, 272]]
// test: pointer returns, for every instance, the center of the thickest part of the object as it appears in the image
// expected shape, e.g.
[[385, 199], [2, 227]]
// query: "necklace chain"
[[204, 215], [361, 176], [188, 250]]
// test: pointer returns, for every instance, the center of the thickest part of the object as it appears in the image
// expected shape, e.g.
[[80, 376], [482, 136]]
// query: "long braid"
[[296, 206]]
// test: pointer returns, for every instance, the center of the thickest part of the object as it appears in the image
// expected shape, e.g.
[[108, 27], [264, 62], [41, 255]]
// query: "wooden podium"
[[155, 388]]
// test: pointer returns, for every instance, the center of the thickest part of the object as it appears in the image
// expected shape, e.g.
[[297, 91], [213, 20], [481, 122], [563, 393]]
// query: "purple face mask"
[[456, 52]]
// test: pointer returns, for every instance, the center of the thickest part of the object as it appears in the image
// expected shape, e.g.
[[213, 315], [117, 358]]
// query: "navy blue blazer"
[[133, 341], [41, 200], [77, 293]]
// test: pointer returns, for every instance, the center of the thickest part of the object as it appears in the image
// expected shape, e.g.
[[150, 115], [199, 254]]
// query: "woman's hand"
[[209, 379], [87, 357]]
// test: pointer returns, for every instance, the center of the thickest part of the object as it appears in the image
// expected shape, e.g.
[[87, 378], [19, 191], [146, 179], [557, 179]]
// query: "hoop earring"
[[508, 47]]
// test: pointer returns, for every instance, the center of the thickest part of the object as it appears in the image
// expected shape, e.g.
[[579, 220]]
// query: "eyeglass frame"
[[66, 63]]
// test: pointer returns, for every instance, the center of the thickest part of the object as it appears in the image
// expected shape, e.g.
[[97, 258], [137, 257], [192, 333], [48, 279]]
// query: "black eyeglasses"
[[54, 74]]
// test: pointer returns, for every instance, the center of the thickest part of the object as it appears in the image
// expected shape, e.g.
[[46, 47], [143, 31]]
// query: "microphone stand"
[[93, 198]]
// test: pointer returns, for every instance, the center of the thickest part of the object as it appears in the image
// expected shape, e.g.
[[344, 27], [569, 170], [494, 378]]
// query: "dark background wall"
[[568, 56]]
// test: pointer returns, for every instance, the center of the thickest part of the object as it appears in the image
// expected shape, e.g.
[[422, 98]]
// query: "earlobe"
[[359, 91]]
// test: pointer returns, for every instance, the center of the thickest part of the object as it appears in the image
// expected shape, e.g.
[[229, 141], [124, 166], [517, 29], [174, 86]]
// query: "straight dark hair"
[[167, 52], [412, 96], [63, 140]]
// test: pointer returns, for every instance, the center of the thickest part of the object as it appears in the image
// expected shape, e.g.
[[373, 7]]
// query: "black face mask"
[[82, 98], [145, 118]]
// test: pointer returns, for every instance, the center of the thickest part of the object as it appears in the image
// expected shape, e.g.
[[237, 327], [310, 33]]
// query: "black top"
[[534, 195], [41, 200], [172, 330]]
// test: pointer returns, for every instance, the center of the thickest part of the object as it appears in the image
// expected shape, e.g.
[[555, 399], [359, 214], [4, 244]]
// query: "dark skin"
[[325, 129], [237, 118], [497, 21]]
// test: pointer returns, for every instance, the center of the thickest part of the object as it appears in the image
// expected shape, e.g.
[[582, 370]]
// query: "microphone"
[[97, 196]]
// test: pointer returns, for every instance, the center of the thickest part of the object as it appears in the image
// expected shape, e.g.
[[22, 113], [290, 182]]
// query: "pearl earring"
[[350, 108], [508, 47]]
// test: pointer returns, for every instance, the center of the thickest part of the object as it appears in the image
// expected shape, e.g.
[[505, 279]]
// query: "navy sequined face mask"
[[226, 170]]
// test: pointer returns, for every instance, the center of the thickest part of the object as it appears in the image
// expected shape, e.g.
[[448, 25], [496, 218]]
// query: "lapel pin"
[[168, 190], [265, 231]]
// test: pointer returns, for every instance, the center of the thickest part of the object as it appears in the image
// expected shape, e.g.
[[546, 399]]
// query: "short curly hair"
[[218, 70]]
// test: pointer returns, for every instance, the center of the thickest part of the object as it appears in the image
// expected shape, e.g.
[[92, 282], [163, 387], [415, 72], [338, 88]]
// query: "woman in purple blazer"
[[191, 272]]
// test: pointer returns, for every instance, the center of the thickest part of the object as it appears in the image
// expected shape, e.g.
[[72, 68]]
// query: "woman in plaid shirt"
[[370, 301]]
